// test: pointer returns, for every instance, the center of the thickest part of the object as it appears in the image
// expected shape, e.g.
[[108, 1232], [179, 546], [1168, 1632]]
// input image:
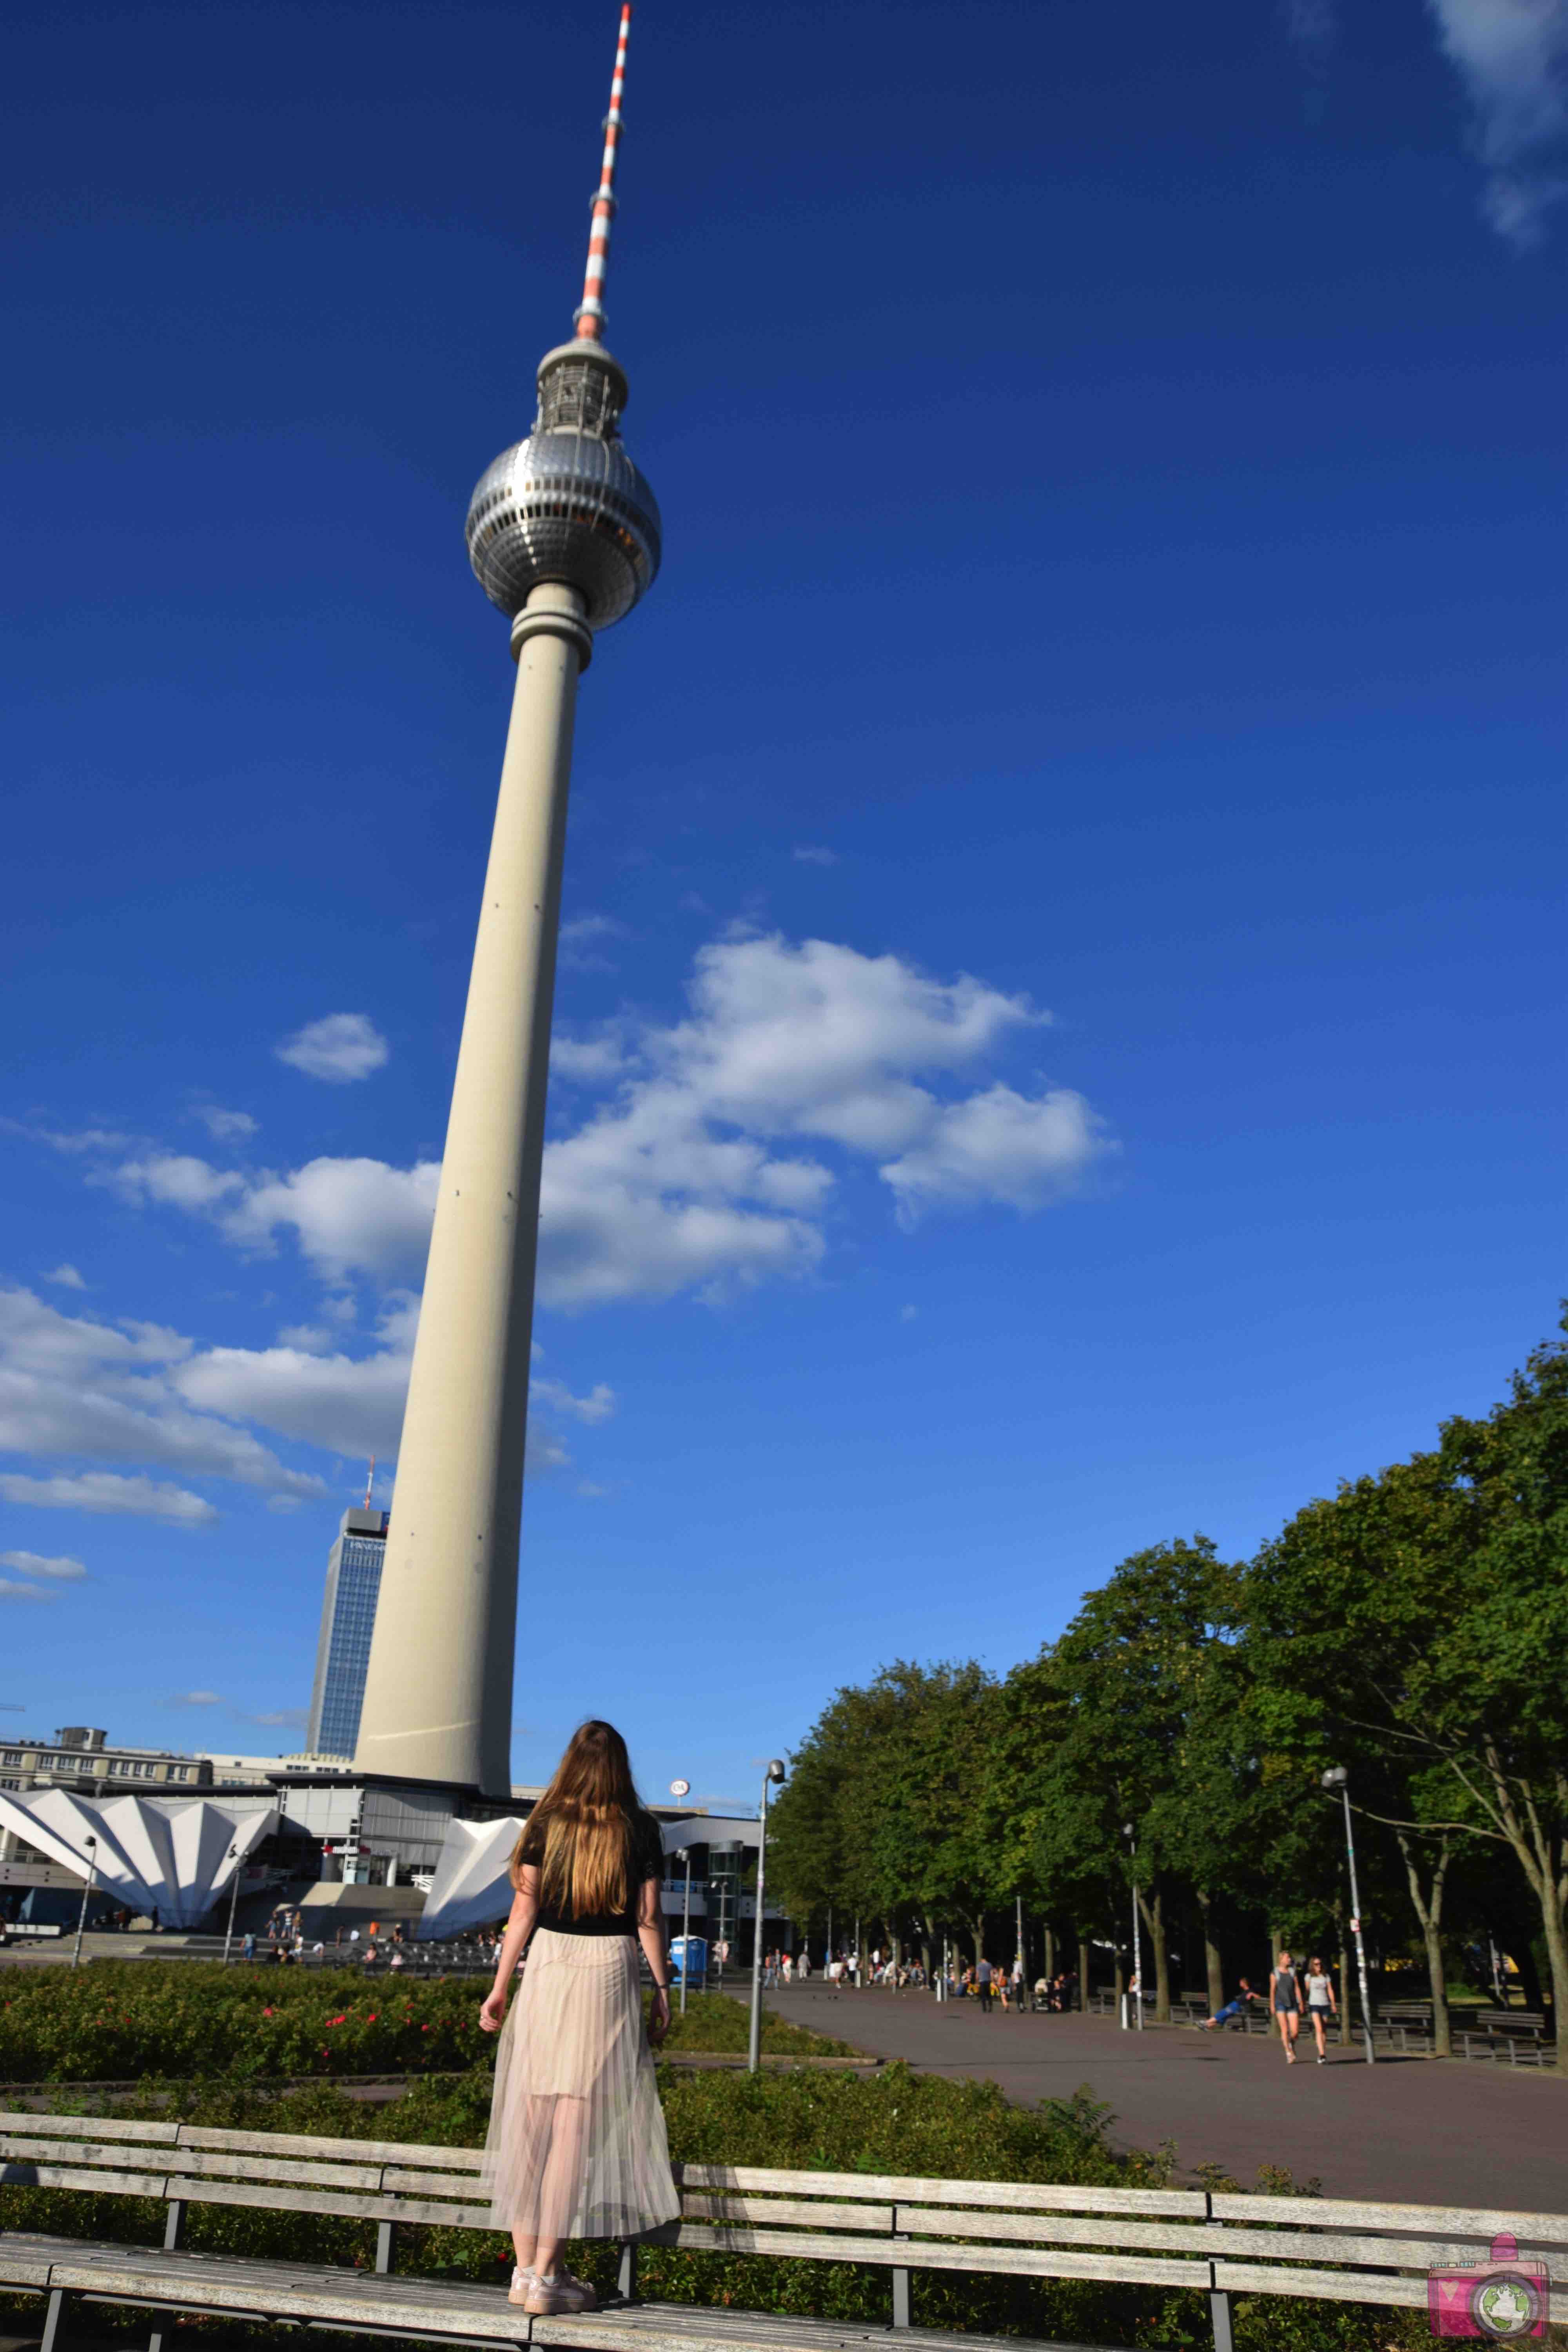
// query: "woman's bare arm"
[[519, 1929], [655, 1951]]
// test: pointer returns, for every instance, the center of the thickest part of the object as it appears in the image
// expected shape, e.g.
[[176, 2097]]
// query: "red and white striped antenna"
[[590, 314], [369, 1481]]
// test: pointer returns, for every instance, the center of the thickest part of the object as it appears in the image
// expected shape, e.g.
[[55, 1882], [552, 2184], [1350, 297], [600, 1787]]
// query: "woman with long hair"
[[576, 2146]]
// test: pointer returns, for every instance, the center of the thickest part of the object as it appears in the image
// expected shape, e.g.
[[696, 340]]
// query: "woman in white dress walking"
[[576, 2146]]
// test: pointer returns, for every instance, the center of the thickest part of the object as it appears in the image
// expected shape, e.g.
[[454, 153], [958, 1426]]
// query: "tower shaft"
[[437, 1700]]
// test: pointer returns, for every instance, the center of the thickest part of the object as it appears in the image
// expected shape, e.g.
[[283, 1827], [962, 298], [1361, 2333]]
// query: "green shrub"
[[120, 2021], [892, 2121]]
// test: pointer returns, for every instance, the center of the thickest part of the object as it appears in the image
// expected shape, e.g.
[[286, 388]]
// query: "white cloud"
[[286, 1718], [701, 1170], [176, 1180], [590, 1061], [353, 1406], [37, 1563], [1511, 57], [908, 1314], [98, 1490], [225, 1126], [998, 1146], [809, 853], [74, 1387], [347, 1214], [341, 1048], [67, 1277], [195, 1698], [582, 940], [11, 1591]]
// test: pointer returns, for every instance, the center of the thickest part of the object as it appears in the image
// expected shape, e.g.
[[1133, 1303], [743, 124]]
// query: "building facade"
[[80, 1757], [348, 1621]]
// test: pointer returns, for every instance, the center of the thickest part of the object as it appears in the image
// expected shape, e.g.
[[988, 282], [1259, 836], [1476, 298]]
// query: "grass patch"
[[120, 2021]]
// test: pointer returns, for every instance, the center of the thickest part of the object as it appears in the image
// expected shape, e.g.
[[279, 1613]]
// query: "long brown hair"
[[580, 1832]]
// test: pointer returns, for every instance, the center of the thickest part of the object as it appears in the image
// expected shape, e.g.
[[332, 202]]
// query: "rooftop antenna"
[[589, 317], [369, 1481]]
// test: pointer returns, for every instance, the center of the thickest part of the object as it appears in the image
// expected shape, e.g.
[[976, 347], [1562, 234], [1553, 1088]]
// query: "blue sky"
[[1062, 999]]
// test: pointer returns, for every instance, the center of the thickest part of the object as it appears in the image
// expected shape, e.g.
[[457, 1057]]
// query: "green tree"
[[1135, 1694]]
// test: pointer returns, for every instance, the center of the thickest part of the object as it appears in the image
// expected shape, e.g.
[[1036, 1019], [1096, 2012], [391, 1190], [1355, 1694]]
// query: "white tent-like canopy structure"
[[174, 1855], [472, 1887]]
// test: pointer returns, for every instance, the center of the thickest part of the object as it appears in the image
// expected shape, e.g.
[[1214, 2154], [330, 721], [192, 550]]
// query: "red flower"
[[371, 2019]]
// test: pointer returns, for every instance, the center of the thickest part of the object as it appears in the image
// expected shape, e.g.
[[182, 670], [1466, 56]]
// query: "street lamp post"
[[685, 1855], [1127, 1833], [92, 1845], [1337, 1777], [775, 1772], [233, 1899], [1018, 1950]]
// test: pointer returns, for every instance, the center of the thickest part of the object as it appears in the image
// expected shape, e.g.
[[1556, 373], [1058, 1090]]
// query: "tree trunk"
[[1083, 1949], [1154, 1921], [977, 1930], [1213, 1970], [1119, 1992], [1050, 1955], [1429, 1911]]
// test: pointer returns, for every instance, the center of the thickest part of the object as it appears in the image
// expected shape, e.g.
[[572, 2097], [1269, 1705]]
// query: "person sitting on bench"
[[1233, 2008]]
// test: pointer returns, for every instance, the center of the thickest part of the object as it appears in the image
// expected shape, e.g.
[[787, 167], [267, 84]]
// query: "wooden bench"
[[1214, 2244]]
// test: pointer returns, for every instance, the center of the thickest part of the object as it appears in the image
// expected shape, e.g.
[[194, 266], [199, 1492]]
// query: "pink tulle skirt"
[[577, 2146]]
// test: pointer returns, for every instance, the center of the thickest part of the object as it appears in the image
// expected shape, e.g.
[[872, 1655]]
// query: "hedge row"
[[119, 2020]]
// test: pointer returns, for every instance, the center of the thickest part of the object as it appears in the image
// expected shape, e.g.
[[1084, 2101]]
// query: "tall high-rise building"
[[348, 1621], [563, 535]]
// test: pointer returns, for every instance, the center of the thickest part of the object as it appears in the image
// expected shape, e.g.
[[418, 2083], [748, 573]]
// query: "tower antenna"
[[369, 1481], [589, 317]]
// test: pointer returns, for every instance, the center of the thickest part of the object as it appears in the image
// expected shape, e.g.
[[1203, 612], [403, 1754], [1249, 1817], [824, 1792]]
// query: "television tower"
[[563, 536]]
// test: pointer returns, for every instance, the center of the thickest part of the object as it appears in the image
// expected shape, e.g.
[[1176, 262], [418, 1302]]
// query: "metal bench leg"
[[173, 2239], [51, 2338], [627, 2277], [1219, 2314], [900, 2296], [385, 2241]]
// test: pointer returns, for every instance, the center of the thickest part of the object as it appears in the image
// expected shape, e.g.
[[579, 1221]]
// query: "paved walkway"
[[1411, 2130]]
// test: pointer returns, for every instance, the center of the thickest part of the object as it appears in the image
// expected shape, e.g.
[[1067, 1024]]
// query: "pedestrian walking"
[[577, 2146], [1285, 2002], [1320, 2003], [982, 1982]]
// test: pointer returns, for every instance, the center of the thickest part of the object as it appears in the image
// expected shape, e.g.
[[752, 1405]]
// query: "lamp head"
[[1336, 1776], [776, 1770]]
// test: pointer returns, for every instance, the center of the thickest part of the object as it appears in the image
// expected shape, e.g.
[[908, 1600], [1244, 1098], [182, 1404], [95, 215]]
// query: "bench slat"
[[1176, 2204], [356, 2151], [65, 2175], [200, 2190], [99, 2127], [915, 2253], [13, 2147], [1481, 2222], [696, 2207], [280, 2169], [436, 2184], [408, 2304]]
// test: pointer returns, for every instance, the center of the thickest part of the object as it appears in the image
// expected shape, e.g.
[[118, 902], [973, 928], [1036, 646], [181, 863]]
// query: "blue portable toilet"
[[679, 1946]]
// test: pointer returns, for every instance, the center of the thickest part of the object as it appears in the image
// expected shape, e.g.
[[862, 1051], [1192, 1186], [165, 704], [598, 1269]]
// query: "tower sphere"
[[568, 503]]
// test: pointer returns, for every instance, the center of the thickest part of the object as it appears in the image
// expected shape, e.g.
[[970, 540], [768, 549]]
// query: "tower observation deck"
[[563, 535]]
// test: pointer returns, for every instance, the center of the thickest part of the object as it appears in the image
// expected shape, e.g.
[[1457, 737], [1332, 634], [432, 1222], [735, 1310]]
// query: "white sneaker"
[[522, 2283]]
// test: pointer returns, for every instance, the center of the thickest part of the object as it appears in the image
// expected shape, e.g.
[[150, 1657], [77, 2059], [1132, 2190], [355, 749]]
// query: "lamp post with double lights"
[[92, 1845], [774, 1774], [1337, 1777]]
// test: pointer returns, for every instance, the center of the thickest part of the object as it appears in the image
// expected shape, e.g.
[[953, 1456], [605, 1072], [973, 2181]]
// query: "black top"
[[645, 1861]]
